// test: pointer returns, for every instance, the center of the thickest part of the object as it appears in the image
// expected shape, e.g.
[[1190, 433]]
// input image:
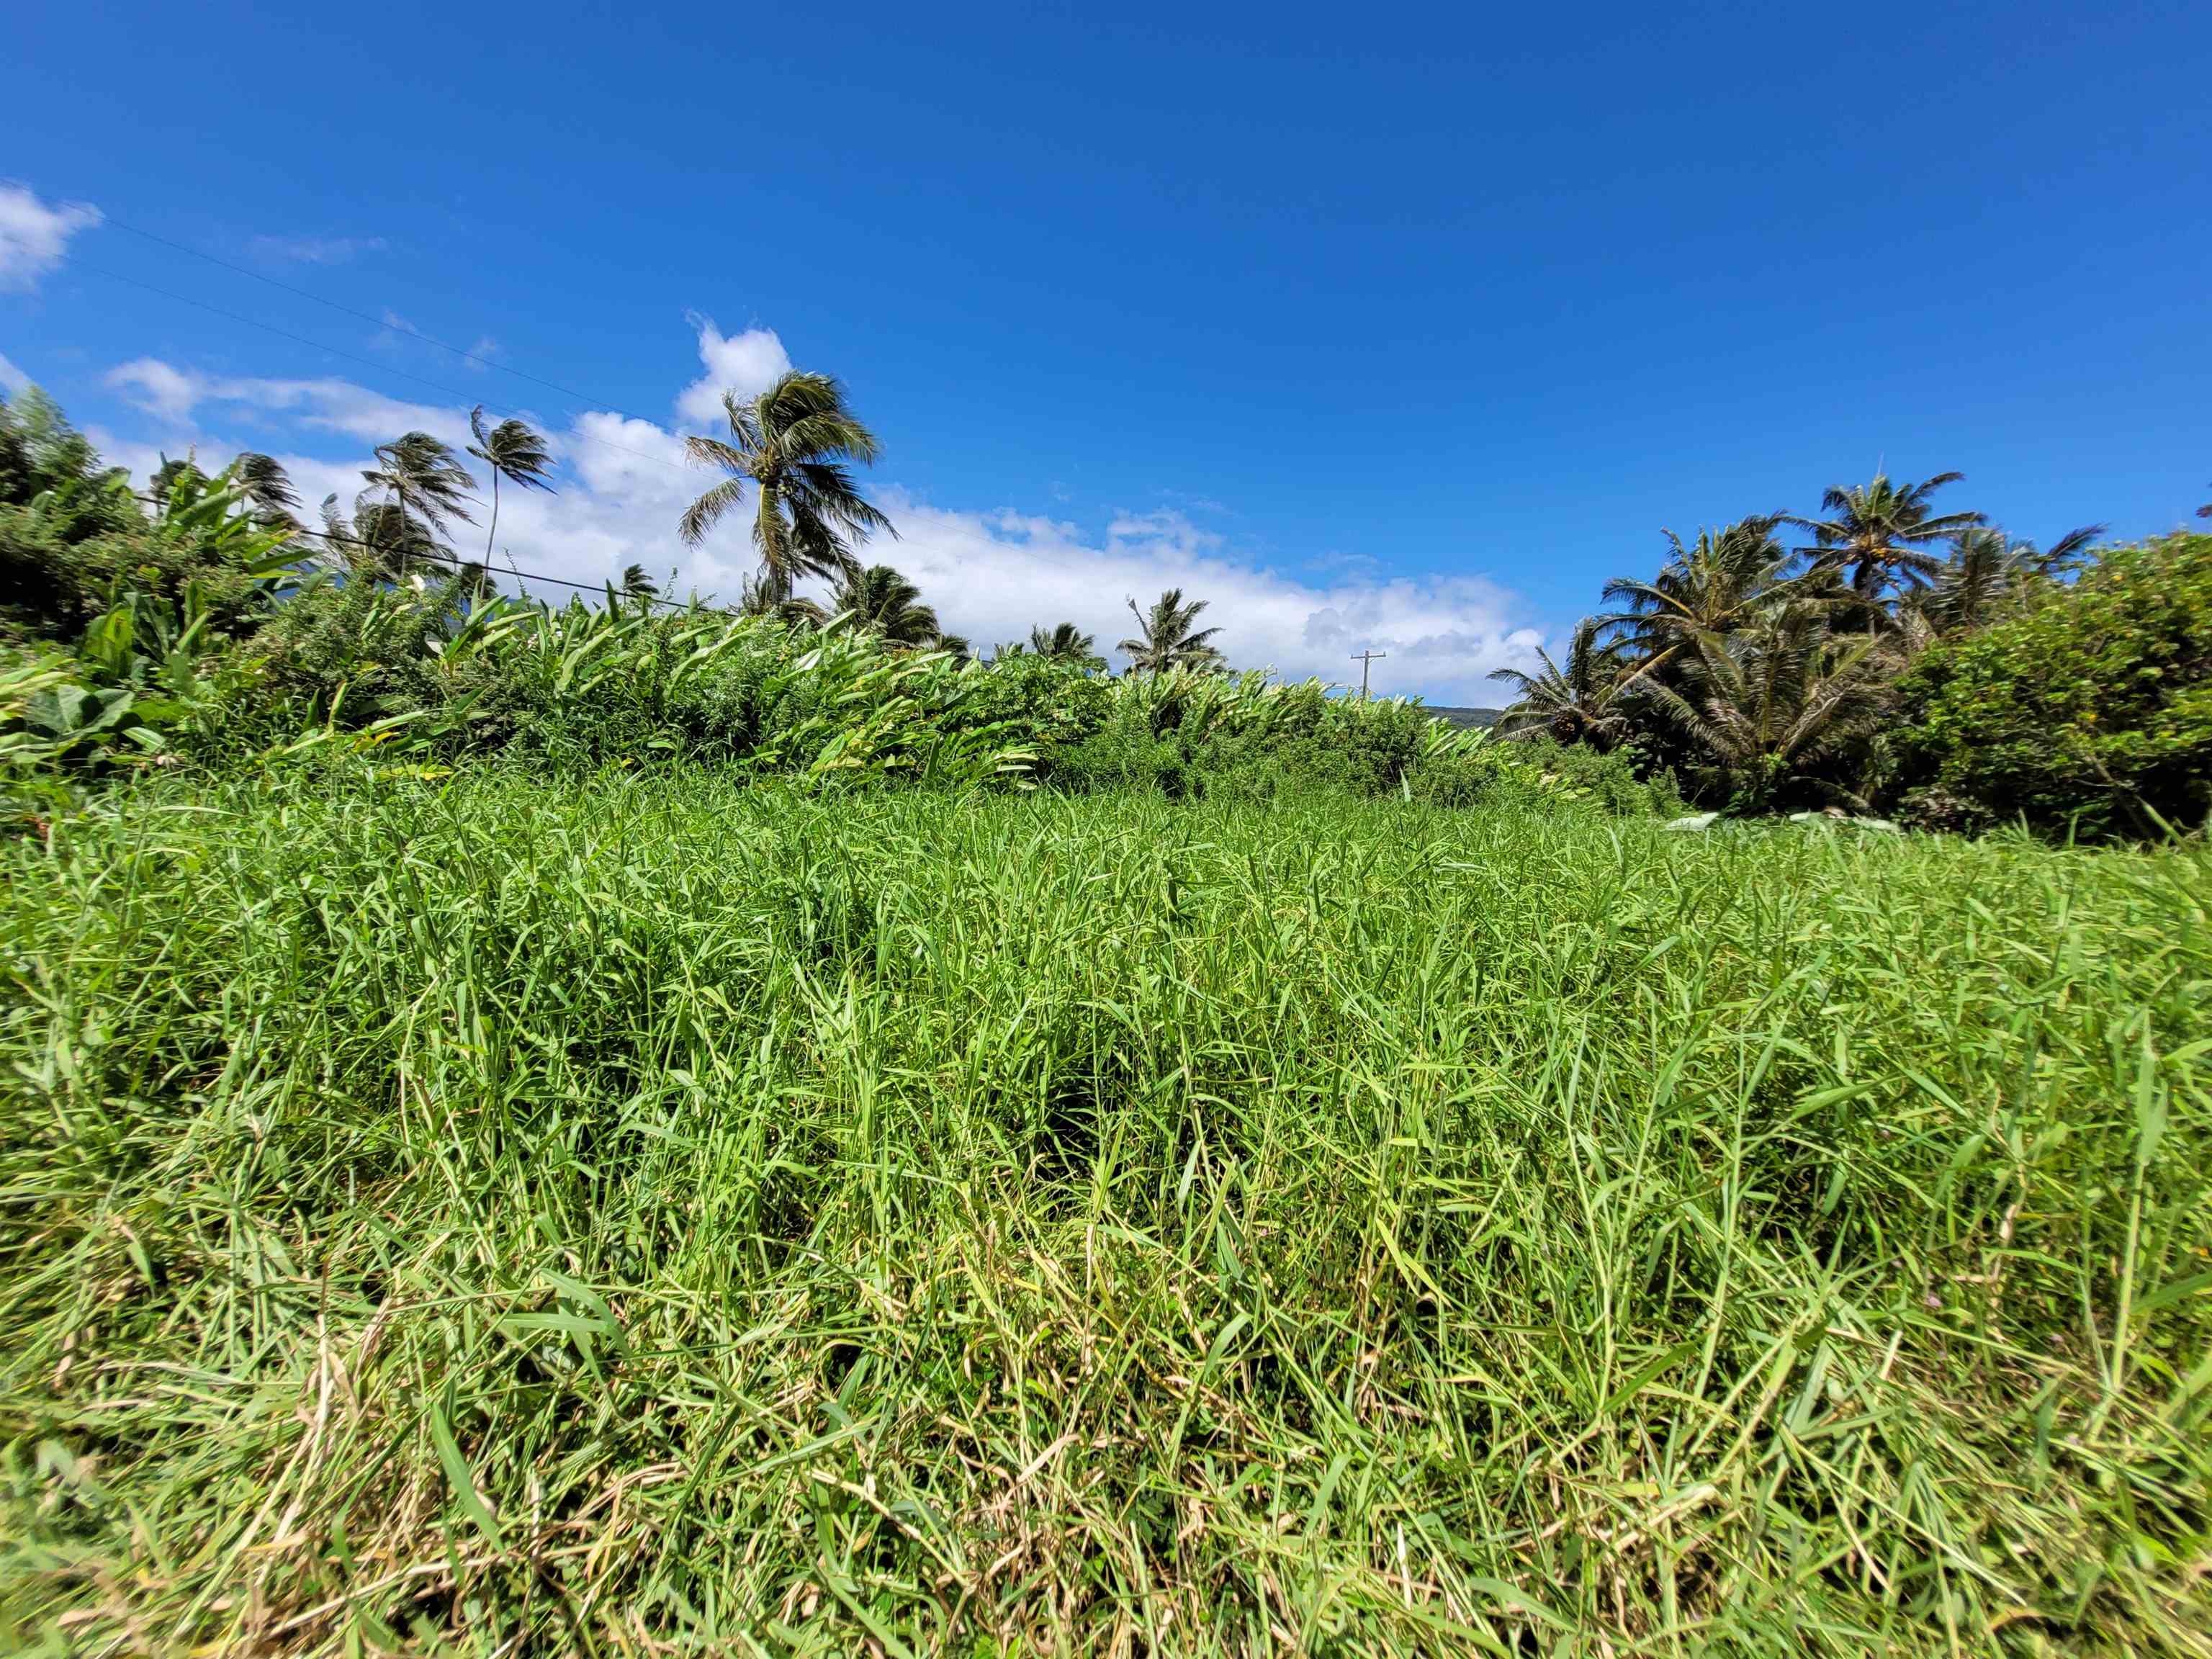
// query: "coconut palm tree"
[[1066, 643], [421, 477], [1878, 535], [881, 601], [1580, 703], [1770, 702], [268, 489], [1710, 587], [514, 450], [379, 542], [1166, 637], [1988, 571], [636, 585], [791, 443]]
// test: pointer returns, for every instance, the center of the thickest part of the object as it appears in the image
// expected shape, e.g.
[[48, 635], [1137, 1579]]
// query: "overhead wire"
[[396, 324], [82, 263], [511, 569]]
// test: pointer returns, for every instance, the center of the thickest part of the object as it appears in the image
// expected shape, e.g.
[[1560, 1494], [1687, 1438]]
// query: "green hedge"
[[2090, 714]]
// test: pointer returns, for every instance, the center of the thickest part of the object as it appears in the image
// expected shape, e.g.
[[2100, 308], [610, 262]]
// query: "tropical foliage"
[[791, 446], [1837, 674], [1582, 702], [511, 449], [1903, 659], [191, 630], [2090, 711], [1066, 643], [1167, 636]]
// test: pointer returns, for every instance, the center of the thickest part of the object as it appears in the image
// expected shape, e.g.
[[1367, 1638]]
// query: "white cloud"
[[12, 379], [315, 250], [745, 363], [327, 404], [159, 388], [1162, 527], [33, 236], [990, 575]]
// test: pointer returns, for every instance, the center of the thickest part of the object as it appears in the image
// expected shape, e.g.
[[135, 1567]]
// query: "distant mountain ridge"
[[1472, 718]]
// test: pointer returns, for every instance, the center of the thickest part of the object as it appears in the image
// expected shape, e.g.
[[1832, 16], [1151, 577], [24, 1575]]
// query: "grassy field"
[[645, 1216]]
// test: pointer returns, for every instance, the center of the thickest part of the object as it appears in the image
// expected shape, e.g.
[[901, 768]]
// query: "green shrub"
[[2091, 713]]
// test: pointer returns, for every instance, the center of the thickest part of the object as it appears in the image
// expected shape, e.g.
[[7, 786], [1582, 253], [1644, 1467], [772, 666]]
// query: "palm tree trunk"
[[768, 530], [493, 531]]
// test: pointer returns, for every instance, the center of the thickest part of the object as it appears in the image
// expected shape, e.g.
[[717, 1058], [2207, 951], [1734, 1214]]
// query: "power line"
[[351, 357], [398, 326], [520, 574]]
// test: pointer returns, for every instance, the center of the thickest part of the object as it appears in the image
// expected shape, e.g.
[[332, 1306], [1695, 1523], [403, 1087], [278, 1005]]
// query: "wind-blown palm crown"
[[1168, 638], [379, 542], [1066, 643], [421, 477], [1709, 587], [513, 449], [791, 443], [268, 489], [1988, 573], [1878, 535], [882, 602], [1578, 703]]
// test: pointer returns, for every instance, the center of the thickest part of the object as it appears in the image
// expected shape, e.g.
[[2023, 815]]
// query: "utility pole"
[[1364, 657]]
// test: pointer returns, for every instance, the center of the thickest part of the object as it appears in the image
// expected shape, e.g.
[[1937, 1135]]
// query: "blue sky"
[[1401, 329]]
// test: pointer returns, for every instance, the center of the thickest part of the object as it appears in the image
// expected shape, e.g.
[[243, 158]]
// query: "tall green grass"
[[642, 1215]]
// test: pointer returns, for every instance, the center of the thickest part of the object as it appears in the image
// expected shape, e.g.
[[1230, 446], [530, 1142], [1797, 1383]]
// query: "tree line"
[[1787, 661], [1867, 658]]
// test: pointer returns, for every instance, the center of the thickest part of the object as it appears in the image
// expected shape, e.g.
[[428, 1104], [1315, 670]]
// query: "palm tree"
[[636, 585], [791, 443], [1166, 638], [881, 601], [1878, 534], [379, 542], [268, 489], [1580, 702], [1066, 643], [1710, 587], [1770, 702], [1988, 571], [513, 449], [423, 479]]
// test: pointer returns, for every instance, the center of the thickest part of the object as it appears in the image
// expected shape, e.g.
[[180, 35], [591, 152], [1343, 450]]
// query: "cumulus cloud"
[[314, 250], [33, 235], [160, 389], [328, 403], [745, 363], [992, 575]]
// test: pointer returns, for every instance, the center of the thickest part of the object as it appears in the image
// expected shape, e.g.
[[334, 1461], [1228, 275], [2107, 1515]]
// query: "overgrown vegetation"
[[520, 1136], [1904, 657], [200, 624], [2092, 708], [630, 1213]]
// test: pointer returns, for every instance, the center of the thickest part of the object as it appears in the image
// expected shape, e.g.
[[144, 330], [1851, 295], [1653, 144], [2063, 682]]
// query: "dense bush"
[[2091, 712]]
